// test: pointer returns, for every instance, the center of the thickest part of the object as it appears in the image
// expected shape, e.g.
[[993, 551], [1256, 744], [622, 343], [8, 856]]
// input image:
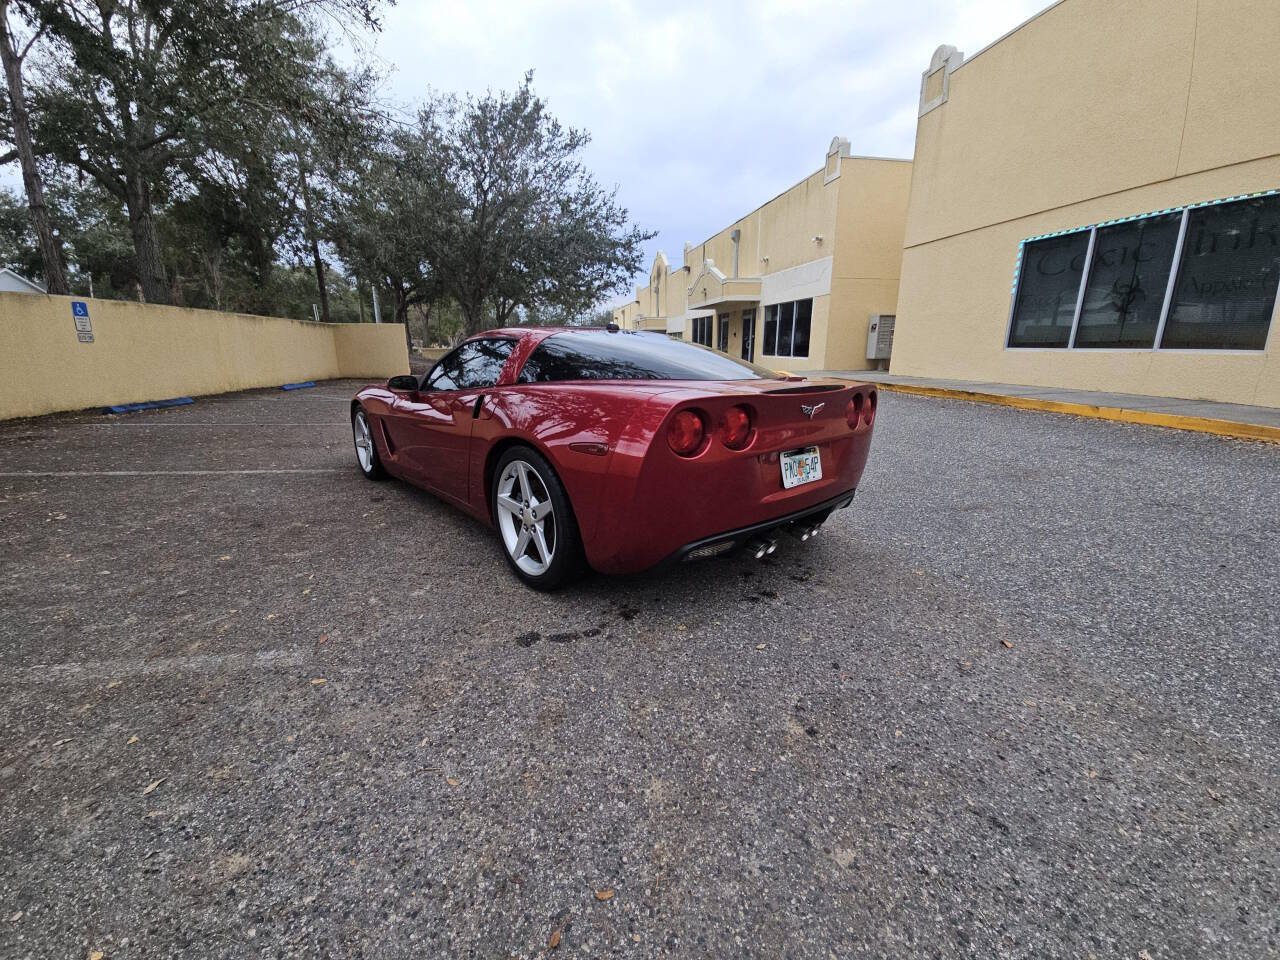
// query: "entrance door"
[[749, 335]]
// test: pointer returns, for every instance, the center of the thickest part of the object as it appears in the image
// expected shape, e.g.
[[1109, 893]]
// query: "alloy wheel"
[[364, 441], [526, 518]]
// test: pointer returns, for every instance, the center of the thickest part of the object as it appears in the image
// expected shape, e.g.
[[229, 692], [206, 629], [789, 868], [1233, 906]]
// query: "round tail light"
[[685, 433], [869, 413], [853, 411], [735, 427]]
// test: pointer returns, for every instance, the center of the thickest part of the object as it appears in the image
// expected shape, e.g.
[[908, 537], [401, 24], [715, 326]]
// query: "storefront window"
[[1223, 297], [1048, 288], [1226, 290], [1128, 279], [786, 328]]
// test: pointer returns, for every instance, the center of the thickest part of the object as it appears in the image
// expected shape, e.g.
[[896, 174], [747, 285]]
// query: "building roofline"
[[21, 279], [784, 192], [1005, 36]]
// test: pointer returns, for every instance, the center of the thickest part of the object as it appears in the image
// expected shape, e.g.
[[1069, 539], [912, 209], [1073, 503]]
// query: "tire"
[[367, 458], [533, 517]]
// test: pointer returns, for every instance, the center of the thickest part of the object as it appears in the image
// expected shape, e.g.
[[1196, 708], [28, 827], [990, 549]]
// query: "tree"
[[380, 226], [511, 217], [13, 56], [136, 88]]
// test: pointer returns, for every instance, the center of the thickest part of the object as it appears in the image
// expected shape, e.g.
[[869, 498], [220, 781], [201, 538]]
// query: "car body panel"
[[636, 501]]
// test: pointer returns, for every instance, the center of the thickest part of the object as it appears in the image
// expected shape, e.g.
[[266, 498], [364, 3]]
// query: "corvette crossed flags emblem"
[[811, 411]]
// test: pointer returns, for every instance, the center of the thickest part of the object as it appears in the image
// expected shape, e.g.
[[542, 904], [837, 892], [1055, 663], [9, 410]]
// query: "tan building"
[[1093, 204], [794, 283]]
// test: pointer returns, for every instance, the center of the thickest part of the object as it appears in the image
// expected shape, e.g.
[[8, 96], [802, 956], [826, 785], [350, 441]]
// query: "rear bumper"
[[735, 538]]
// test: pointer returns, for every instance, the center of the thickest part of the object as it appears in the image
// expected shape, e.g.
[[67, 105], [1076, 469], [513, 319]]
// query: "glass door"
[[749, 335]]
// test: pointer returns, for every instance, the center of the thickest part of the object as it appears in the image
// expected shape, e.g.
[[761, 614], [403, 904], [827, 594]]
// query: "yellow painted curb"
[[1221, 428]]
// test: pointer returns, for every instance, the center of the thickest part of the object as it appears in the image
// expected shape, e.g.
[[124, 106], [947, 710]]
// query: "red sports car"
[[617, 450]]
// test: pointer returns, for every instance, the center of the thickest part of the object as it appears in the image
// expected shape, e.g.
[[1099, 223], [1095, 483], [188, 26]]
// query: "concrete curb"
[[1221, 428]]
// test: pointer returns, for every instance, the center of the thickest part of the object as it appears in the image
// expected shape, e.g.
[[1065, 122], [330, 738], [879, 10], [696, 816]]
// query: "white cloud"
[[698, 112]]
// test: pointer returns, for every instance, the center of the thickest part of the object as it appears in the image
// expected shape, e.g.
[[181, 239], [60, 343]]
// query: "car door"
[[433, 425]]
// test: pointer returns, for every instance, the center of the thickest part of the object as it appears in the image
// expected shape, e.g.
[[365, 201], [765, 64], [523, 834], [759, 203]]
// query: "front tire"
[[366, 450], [536, 527]]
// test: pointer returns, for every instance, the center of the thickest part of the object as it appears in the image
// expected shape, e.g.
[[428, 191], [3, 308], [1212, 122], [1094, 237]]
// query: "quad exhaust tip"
[[804, 531], [762, 547]]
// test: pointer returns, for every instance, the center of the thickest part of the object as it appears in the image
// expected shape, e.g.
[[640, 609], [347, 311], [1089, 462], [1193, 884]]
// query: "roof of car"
[[539, 333]]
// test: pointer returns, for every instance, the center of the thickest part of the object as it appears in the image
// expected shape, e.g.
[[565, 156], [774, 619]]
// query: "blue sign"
[[80, 316]]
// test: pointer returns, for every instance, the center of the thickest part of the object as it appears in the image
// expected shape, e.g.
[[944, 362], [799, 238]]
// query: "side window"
[[474, 365]]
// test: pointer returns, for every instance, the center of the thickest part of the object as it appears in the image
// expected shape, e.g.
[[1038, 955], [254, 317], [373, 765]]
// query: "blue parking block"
[[298, 386], [149, 405]]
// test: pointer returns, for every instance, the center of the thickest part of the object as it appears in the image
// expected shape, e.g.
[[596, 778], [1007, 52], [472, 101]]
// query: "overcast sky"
[[699, 112]]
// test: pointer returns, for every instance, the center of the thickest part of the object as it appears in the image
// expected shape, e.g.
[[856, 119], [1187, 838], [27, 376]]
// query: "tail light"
[[853, 411], [735, 427], [869, 412], [685, 433]]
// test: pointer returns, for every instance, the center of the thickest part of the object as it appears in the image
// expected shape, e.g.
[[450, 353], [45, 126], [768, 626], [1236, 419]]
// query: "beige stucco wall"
[[1093, 110], [144, 352], [859, 216], [867, 256]]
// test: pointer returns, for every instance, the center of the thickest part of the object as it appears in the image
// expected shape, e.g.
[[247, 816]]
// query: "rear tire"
[[537, 530], [367, 458]]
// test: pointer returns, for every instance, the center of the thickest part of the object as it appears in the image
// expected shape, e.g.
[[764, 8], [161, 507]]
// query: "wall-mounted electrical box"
[[880, 336]]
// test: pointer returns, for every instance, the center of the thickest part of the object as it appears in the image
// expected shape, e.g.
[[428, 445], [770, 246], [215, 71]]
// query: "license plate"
[[801, 466]]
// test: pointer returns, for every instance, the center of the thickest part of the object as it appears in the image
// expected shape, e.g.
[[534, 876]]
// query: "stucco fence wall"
[[144, 352]]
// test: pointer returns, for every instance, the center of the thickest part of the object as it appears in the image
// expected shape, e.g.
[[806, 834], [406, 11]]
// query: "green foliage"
[[215, 155]]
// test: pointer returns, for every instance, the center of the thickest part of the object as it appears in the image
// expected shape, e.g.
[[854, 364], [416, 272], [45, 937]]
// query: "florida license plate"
[[801, 466]]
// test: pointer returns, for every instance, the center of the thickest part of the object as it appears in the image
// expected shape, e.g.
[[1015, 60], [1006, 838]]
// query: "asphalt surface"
[[1020, 700]]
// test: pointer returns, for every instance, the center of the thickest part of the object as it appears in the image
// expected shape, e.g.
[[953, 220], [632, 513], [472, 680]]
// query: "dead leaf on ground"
[[553, 941], [1144, 955], [16, 917], [1008, 644], [95, 955], [319, 681], [132, 740], [225, 556], [451, 781], [605, 894], [151, 787], [761, 646]]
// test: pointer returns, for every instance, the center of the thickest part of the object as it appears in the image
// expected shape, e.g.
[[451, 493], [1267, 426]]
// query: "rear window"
[[597, 355]]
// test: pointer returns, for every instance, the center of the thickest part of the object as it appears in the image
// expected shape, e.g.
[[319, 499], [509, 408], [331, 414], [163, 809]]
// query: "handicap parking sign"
[[80, 314]]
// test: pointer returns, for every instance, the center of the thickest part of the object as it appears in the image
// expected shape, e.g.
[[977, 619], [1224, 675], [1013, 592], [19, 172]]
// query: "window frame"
[[794, 313], [1175, 268], [426, 377]]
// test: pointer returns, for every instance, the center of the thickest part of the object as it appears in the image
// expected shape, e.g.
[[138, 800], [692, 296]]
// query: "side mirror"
[[403, 384]]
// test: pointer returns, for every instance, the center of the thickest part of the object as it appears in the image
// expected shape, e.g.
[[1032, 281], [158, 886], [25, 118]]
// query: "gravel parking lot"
[[1020, 700]]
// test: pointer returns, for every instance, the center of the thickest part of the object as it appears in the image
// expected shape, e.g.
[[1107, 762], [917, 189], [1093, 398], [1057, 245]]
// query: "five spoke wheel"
[[366, 452], [526, 517]]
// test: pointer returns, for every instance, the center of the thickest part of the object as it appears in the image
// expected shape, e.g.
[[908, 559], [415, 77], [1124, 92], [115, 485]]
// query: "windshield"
[[599, 355]]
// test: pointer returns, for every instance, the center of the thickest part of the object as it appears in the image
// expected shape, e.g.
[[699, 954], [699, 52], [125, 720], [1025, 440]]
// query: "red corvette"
[[617, 450]]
